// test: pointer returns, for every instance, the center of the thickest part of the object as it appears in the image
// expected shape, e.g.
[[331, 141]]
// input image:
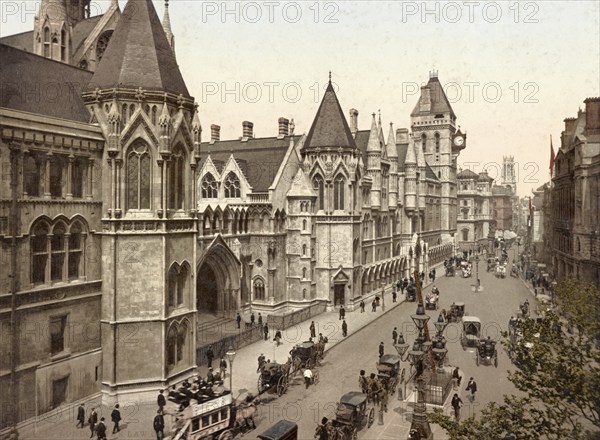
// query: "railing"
[[237, 341], [259, 197], [437, 388], [281, 322]]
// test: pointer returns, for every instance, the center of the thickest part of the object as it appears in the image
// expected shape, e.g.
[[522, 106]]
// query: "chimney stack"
[[247, 127], [353, 121], [402, 136], [425, 102], [284, 127], [570, 124], [592, 116], [215, 133]]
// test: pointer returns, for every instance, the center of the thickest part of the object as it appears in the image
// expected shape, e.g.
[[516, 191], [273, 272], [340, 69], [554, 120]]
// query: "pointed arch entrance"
[[218, 280]]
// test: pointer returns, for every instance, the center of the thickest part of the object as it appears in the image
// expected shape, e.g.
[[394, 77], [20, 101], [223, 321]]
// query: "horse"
[[245, 412]]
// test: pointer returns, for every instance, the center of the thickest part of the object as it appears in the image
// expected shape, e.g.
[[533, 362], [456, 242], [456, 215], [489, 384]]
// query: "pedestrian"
[[266, 331], [159, 425], [80, 416], [456, 404], [395, 335], [321, 337], [115, 416], [160, 400], [313, 331], [394, 295], [433, 281], [373, 306], [223, 368], [210, 355], [362, 306], [92, 420], [344, 328], [238, 319], [342, 312], [384, 401], [210, 377], [456, 378], [472, 388], [277, 338], [261, 362], [260, 320], [381, 349], [101, 430], [252, 319]]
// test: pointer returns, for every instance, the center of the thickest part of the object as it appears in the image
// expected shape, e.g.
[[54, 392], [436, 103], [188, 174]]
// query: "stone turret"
[[392, 154], [374, 163]]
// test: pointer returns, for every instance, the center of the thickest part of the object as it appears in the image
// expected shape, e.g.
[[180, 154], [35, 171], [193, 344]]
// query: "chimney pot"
[[284, 127], [592, 115], [215, 133], [247, 128]]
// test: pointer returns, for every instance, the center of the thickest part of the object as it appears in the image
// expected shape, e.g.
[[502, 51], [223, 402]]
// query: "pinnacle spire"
[[411, 158], [166, 23], [374, 142], [392, 152]]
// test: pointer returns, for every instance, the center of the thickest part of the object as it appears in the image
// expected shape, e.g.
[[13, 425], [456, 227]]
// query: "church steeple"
[[166, 23]]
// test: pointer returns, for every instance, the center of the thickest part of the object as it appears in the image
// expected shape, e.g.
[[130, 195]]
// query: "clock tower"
[[434, 130]]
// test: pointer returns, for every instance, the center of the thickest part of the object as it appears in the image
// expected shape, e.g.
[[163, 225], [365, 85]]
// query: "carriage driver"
[[308, 377]]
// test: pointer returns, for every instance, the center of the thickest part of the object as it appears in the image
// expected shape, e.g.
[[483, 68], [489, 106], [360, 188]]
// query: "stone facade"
[[575, 197], [475, 204]]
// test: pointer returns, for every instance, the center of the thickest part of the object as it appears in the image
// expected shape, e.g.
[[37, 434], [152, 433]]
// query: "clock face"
[[458, 141]]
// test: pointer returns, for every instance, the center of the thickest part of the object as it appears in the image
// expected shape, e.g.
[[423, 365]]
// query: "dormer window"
[[209, 187], [232, 185]]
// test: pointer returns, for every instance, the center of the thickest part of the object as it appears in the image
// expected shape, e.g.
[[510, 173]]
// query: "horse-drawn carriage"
[[450, 270], [486, 352], [411, 293], [306, 355], [471, 332], [388, 371], [456, 312], [351, 415], [432, 301], [274, 376], [282, 430], [491, 264], [501, 270]]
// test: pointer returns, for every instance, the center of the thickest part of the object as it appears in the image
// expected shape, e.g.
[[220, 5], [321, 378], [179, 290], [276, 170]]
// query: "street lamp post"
[[477, 273], [230, 356]]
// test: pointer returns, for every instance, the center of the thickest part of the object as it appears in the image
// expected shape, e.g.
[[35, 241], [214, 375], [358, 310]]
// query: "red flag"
[[552, 157]]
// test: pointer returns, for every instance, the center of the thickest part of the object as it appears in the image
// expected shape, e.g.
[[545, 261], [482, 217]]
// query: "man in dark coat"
[[80, 416], [261, 362], [115, 416], [252, 318], [342, 312], [101, 430], [238, 319], [260, 319], [472, 387], [210, 355], [92, 420], [159, 425], [394, 335], [362, 306], [266, 330], [456, 404], [344, 328], [394, 295], [381, 349], [161, 401], [313, 330]]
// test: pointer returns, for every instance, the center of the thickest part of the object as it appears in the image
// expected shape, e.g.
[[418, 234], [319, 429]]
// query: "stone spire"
[[166, 23], [392, 152], [373, 144]]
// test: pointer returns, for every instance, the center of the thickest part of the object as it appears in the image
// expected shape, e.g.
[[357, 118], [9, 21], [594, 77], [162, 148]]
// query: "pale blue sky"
[[379, 51]]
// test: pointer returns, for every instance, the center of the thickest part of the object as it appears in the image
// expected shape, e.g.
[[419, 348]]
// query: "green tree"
[[558, 374]]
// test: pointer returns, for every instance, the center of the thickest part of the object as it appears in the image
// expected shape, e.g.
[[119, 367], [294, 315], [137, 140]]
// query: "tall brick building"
[[124, 231]]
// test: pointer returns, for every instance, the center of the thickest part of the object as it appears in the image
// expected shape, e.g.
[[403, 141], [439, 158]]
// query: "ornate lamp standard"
[[477, 286], [230, 356]]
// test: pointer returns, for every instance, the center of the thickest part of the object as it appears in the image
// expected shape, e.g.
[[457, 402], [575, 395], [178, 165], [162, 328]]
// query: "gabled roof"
[[429, 173], [23, 41], [26, 79], [139, 54], [329, 128], [439, 101], [259, 159], [301, 186], [467, 174]]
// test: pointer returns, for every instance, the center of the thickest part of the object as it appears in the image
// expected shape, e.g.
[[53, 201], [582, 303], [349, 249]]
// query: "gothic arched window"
[[177, 173], [63, 46], [39, 252], [319, 187], [304, 272], [181, 337], [437, 142], [423, 142], [259, 289], [304, 225], [58, 250], [232, 185], [75, 250], [102, 44], [138, 177], [209, 187], [338, 192], [171, 346], [47, 42], [172, 286], [31, 175]]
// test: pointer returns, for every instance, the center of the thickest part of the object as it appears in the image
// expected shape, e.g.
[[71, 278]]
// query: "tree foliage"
[[558, 373]]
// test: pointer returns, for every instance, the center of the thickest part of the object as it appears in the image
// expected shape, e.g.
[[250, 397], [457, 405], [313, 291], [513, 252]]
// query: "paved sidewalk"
[[138, 415]]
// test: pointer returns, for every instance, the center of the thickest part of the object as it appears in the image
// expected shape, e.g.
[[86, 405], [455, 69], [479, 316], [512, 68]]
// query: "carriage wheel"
[[297, 362], [260, 385], [282, 385], [354, 434], [316, 378], [371, 417], [309, 364], [226, 435]]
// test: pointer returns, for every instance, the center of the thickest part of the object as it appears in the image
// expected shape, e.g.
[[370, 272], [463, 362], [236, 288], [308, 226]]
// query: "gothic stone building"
[[475, 206], [123, 231]]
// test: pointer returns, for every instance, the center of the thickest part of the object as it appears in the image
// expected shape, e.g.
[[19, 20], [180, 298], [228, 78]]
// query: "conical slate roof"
[[330, 128], [374, 143], [439, 101], [392, 151], [139, 54]]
